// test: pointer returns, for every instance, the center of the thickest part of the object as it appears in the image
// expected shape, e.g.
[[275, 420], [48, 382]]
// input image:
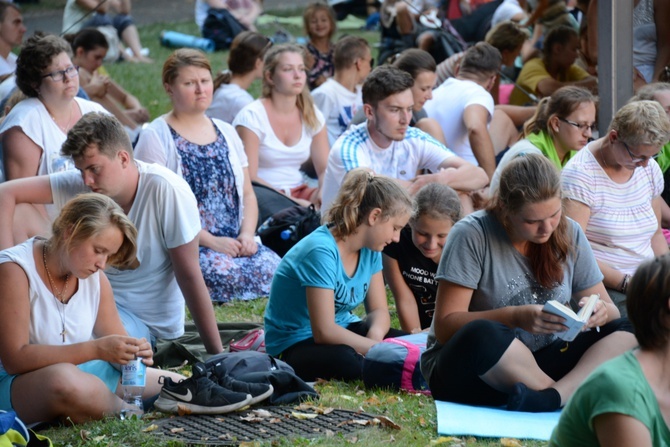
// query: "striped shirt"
[[622, 220], [401, 160]]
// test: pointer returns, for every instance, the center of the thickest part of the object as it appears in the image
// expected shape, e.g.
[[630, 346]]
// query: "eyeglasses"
[[637, 159], [582, 127], [71, 72]]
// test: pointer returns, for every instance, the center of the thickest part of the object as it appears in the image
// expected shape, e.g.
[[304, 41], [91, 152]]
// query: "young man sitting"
[[387, 145], [150, 298]]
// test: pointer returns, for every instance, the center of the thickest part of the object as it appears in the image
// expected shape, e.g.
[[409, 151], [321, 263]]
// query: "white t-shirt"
[[400, 160], [447, 106], [201, 8], [278, 164], [165, 213], [156, 145], [338, 105], [8, 66], [227, 102], [79, 314], [71, 15], [507, 10], [34, 120]]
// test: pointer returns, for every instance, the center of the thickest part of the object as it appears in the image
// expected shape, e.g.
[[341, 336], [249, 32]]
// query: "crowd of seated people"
[[415, 165]]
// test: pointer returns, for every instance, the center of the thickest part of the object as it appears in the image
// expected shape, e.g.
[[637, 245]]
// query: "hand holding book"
[[574, 322]]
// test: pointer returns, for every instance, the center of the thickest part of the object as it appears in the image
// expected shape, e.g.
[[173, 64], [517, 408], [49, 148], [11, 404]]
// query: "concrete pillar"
[[615, 57]]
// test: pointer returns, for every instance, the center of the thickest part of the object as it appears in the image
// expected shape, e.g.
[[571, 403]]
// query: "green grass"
[[415, 414]]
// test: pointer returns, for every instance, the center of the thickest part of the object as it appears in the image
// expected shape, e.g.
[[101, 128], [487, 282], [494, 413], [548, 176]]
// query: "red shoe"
[[253, 341]]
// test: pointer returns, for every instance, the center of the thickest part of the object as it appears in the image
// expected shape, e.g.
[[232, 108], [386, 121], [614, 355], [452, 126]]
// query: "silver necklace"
[[57, 296]]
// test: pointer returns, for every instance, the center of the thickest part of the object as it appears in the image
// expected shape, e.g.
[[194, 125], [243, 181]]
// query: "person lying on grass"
[[490, 342], [62, 334], [308, 320]]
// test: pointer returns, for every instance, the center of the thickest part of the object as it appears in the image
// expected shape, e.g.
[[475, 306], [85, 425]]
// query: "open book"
[[574, 321]]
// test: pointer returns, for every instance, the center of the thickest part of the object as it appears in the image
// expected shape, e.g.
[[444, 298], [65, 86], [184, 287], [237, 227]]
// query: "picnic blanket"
[[458, 419]]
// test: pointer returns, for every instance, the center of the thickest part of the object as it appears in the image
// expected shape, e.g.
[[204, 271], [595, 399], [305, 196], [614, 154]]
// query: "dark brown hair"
[[36, 55], [529, 179], [647, 302]]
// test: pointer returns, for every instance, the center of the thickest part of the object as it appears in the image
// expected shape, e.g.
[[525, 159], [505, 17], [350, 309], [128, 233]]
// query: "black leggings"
[[479, 345], [312, 361]]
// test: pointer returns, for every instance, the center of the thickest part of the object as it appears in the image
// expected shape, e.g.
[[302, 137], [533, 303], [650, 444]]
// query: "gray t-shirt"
[[479, 255]]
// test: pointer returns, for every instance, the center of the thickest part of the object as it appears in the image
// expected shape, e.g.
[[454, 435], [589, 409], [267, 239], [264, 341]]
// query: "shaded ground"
[[50, 19]]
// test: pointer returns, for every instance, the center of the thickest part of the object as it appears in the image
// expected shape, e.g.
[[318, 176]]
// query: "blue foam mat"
[[457, 419]]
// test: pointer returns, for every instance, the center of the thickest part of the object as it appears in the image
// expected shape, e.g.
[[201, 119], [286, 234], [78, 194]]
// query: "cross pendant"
[[62, 334]]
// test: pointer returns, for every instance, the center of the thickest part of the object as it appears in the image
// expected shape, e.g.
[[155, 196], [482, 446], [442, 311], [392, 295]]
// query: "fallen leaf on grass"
[[360, 392], [98, 439], [356, 422], [422, 421], [373, 400], [444, 440], [303, 416], [352, 440], [392, 438], [84, 434], [249, 444], [151, 427], [393, 399], [177, 430], [510, 442], [345, 397], [388, 423]]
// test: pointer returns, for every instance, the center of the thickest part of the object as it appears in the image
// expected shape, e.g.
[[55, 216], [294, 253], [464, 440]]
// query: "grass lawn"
[[415, 414]]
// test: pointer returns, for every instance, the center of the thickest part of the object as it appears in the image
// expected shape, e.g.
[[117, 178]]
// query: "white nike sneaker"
[[198, 395]]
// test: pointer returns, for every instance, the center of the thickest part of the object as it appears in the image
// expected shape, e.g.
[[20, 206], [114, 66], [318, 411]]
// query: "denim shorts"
[[99, 368]]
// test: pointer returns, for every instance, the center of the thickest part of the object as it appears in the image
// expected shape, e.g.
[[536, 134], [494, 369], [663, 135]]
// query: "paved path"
[[144, 12]]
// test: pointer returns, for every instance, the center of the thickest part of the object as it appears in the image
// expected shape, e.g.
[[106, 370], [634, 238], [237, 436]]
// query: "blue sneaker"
[[198, 395]]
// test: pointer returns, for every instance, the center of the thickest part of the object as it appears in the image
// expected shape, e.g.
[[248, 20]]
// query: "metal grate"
[[230, 429]]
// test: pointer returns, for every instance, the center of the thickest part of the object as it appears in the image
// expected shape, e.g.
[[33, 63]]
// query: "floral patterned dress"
[[323, 65], [208, 172]]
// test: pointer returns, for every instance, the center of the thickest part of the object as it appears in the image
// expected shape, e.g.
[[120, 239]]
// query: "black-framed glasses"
[[582, 127], [71, 72], [637, 159]]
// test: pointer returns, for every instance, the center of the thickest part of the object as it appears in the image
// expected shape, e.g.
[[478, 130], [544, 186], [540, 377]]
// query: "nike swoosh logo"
[[185, 397]]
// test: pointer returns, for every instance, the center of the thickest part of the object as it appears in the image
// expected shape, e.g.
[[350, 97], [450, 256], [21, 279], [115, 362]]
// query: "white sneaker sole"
[[262, 397], [172, 406]]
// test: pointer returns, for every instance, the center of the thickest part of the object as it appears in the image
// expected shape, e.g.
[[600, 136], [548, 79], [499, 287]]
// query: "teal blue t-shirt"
[[314, 262]]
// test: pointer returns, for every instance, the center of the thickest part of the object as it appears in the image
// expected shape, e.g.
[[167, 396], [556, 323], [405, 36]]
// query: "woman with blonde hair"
[[209, 155], [613, 189], [308, 320], [62, 332], [283, 129], [245, 65], [491, 342]]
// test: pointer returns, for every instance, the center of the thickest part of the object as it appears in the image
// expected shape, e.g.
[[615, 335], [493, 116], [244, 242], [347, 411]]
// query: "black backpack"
[[221, 27], [285, 228]]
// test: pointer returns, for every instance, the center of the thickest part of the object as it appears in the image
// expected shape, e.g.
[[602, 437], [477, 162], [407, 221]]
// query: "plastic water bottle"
[[133, 381], [288, 233], [175, 39]]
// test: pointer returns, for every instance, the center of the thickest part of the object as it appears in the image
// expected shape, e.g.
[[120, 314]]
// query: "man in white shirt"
[[387, 145], [12, 30], [340, 96], [151, 297], [464, 107]]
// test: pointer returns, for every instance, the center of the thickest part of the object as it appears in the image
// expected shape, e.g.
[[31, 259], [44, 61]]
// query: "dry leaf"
[[226, 436], [303, 416], [443, 440], [262, 413], [249, 444], [183, 410], [510, 442], [274, 420], [388, 423], [392, 438], [345, 397], [360, 392], [177, 430], [152, 427], [330, 433], [98, 439], [251, 418], [422, 421], [84, 434], [352, 440], [303, 407], [394, 399], [373, 400]]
